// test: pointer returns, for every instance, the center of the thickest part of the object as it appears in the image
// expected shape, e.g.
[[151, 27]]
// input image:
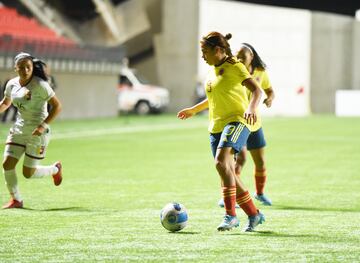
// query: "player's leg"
[[260, 176], [214, 142], [240, 158], [243, 197], [256, 146], [32, 169], [233, 139], [244, 200], [12, 154], [240, 161], [224, 164], [35, 152]]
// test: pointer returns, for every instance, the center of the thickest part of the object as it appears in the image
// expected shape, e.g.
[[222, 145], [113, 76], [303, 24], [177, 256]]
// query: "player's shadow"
[[71, 208], [273, 234], [309, 208]]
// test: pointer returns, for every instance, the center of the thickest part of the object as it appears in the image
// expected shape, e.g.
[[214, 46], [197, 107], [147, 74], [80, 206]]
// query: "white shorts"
[[34, 147]]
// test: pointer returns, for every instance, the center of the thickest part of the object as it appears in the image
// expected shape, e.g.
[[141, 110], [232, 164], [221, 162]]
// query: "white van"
[[135, 95]]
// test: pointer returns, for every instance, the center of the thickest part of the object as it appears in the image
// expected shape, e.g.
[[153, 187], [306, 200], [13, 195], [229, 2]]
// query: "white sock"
[[42, 171], [11, 183]]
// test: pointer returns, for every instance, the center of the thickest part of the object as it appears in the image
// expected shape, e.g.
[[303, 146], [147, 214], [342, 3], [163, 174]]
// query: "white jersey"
[[32, 109]]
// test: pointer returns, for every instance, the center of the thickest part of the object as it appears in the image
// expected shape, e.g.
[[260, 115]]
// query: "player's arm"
[[55, 110], [270, 95], [4, 104], [250, 114], [189, 112]]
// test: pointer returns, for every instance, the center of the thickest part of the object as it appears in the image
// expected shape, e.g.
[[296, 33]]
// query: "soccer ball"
[[174, 217]]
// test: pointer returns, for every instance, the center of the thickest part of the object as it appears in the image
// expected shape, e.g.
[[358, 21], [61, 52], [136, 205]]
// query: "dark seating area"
[[20, 33]]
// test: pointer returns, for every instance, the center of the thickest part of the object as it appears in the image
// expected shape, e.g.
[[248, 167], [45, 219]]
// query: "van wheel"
[[142, 108]]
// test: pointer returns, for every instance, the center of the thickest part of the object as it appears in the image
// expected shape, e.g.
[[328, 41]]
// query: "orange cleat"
[[58, 176], [13, 203]]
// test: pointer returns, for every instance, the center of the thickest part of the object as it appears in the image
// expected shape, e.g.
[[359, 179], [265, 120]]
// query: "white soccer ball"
[[174, 217]]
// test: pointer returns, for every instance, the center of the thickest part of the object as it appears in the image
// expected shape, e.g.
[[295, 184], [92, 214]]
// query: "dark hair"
[[257, 62], [39, 70], [216, 39]]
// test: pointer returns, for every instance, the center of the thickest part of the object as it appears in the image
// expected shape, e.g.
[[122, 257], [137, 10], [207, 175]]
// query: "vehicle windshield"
[[141, 79]]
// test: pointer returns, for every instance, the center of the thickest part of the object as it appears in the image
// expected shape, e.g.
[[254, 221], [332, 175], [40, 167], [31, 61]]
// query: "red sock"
[[246, 203], [229, 195], [260, 179]]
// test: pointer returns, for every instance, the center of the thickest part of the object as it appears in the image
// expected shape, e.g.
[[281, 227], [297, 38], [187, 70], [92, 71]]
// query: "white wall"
[[281, 36], [356, 55], [87, 95], [176, 51], [83, 95], [331, 59]]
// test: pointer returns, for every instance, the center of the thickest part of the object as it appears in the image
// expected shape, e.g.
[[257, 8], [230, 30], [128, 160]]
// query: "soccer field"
[[119, 173]]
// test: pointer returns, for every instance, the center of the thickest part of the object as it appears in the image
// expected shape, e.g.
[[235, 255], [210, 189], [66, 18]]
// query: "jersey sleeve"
[[265, 84], [7, 91], [46, 91], [243, 72]]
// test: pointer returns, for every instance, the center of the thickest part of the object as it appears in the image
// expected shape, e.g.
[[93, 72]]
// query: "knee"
[[220, 164], [8, 165], [240, 159], [260, 164], [27, 172]]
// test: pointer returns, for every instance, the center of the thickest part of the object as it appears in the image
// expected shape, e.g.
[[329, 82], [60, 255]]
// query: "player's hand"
[[267, 102], [38, 131], [185, 114], [250, 116]]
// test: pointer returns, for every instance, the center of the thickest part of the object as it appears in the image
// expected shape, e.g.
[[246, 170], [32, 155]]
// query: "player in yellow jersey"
[[231, 115], [256, 141]]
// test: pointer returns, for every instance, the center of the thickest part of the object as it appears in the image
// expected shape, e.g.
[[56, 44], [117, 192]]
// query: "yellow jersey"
[[262, 78], [226, 95]]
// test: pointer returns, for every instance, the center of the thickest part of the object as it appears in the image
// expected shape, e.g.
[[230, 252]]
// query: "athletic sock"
[[42, 171], [229, 195], [11, 183], [260, 180], [246, 203]]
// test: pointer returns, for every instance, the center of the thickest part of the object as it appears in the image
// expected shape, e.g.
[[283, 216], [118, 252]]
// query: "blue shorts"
[[256, 140], [234, 135]]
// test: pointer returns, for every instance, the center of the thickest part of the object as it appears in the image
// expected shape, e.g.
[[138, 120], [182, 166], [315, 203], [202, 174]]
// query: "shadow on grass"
[[273, 234], [185, 233], [309, 208], [72, 208]]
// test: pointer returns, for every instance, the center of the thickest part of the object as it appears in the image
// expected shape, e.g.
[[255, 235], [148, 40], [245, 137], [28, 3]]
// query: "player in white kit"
[[30, 134]]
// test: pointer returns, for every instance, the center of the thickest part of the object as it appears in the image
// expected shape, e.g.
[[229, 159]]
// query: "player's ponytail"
[[39, 70]]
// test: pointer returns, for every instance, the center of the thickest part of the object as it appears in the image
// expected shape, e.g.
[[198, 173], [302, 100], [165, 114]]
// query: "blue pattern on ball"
[[182, 217]]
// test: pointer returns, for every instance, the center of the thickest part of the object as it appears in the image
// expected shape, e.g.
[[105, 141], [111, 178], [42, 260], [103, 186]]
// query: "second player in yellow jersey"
[[256, 141]]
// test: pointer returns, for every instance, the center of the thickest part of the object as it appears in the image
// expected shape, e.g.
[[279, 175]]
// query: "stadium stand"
[[20, 33]]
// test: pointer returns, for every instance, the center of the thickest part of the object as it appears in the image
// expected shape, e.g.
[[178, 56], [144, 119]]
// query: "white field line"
[[122, 130]]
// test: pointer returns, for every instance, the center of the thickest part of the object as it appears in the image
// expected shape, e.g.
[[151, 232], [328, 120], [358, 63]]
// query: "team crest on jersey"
[[41, 150], [258, 79], [221, 71], [28, 96], [208, 86]]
